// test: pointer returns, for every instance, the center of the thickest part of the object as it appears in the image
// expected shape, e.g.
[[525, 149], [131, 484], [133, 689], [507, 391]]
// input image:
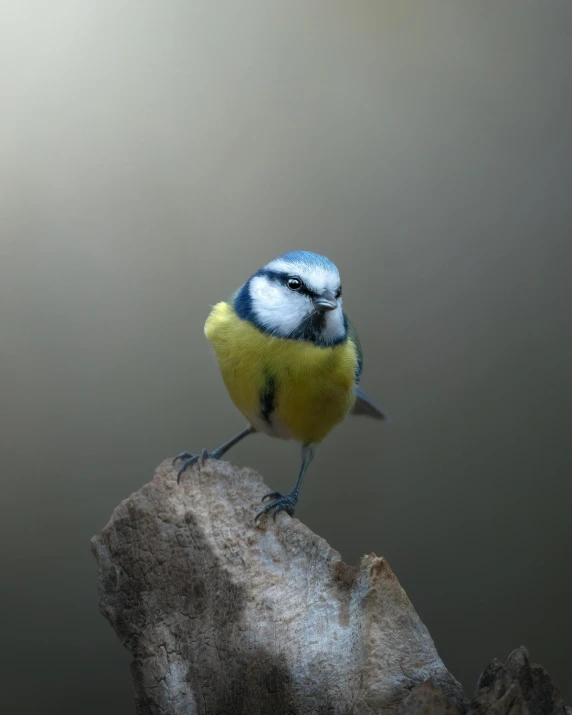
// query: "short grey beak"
[[326, 301]]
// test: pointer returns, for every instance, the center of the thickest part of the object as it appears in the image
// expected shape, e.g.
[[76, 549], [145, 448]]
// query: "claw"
[[189, 459], [182, 455], [285, 502], [202, 456], [187, 462], [272, 495]]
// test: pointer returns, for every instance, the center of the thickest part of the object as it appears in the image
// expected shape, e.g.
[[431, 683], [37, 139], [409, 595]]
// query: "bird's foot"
[[188, 459], [281, 502]]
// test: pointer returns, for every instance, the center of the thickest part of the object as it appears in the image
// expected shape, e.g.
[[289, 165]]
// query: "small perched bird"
[[290, 358]]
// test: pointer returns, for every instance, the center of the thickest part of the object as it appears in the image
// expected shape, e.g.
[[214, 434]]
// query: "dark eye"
[[339, 292], [294, 283]]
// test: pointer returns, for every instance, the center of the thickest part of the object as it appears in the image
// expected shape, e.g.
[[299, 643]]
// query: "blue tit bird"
[[290, 358]]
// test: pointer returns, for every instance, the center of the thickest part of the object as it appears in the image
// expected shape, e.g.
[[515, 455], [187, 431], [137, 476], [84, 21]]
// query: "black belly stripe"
[[268, 398]]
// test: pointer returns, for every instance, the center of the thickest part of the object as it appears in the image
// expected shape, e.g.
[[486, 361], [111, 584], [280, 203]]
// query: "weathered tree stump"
[[222, 616]]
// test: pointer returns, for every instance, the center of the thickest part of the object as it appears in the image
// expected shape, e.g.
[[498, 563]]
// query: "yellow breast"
[[287, 388]]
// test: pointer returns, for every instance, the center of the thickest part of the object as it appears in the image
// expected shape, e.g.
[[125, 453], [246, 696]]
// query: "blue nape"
[[242, 304]]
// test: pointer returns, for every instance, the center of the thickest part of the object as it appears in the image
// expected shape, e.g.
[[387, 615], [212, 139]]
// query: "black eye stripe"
[[280, 277], [306, 291]]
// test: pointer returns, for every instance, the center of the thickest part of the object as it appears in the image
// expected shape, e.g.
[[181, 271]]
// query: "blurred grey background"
[[155, 154]]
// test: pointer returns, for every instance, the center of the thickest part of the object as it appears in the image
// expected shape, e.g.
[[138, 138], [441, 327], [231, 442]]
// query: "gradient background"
[[153, 155]]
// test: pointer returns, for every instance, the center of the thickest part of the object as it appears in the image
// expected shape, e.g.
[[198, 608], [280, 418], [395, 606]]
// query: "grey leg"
[[188, 459], [287, 502]]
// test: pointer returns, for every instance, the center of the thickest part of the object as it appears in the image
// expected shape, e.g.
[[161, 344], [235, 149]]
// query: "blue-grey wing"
[[354, 337], [364, 406]]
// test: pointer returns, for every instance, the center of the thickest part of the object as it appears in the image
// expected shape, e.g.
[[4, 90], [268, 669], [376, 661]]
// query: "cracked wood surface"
[[222, 616]]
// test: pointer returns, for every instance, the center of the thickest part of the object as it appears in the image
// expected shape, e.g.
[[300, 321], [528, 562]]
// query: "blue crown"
[[308, 258]]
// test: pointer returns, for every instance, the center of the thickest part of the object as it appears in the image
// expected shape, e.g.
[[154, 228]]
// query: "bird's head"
[[297, 296]]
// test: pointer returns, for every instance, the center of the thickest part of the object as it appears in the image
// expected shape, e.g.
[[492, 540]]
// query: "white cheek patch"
[[276, 307]]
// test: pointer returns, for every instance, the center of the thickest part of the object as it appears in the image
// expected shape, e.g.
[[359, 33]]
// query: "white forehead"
[[317, 277]]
